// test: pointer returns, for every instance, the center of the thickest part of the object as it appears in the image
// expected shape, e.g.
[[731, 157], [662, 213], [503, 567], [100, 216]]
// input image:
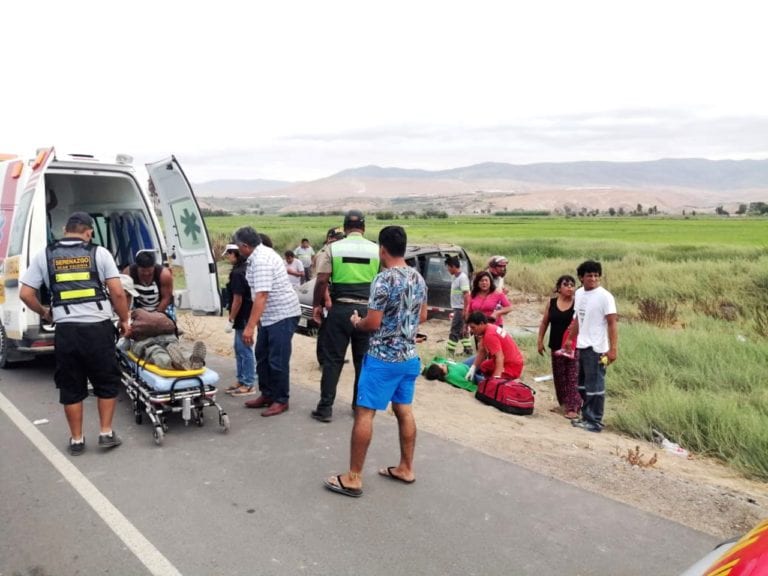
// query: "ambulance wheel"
[[224, 421], [4, 349], [158, 434]]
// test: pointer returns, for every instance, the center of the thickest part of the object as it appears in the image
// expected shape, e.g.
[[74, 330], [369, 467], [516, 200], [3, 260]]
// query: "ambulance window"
[[20, 224], [101, 231]]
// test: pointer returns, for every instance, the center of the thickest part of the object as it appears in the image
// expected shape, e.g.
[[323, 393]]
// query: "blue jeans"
[[591, 386], [478, 375], [245, 361], [273, 358]]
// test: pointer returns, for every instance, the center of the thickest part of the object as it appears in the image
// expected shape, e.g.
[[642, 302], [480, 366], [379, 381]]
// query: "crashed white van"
[[38, 196]]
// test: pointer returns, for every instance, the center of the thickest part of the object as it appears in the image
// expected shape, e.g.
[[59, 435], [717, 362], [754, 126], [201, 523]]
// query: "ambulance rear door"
[[27, 236], [187, 239]]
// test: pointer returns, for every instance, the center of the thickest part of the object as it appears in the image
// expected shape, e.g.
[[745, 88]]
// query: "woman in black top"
[[558, 314], [240, 304]]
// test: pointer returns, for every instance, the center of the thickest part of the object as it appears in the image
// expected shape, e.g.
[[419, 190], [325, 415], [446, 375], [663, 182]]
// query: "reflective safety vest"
[[355, 263], [73, 275]]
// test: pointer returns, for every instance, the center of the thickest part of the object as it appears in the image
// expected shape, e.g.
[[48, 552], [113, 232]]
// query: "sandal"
[[334, 484], [243, 391], [232, 388]]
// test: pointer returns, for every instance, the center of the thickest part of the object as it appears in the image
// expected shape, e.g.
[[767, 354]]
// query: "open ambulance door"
[[186, 236], [23, 235]]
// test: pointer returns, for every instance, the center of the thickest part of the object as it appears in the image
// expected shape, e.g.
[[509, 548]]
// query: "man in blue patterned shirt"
[[396, 306]]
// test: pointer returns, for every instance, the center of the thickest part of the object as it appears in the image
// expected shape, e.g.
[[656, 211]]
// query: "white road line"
[[147, 554]]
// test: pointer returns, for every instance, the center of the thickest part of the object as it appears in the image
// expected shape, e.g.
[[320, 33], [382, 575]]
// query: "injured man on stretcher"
[[154, 337]]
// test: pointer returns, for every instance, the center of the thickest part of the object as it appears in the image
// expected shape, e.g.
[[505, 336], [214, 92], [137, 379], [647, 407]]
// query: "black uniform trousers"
[[334, 338]]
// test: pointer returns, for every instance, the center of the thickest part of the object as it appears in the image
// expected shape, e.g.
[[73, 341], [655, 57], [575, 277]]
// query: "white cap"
[[230, 248], [128, 286]]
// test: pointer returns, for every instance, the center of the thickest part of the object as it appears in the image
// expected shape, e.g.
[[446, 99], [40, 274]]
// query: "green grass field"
[[691, 293], [743, 232]]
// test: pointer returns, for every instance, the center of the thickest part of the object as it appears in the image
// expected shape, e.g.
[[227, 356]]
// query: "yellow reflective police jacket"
[[355, 263]]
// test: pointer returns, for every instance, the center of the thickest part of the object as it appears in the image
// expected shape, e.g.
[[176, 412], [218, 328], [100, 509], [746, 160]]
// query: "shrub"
[[657, 312]]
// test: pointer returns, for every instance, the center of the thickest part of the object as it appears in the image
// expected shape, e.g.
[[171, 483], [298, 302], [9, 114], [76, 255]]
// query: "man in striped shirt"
[[276, 312]]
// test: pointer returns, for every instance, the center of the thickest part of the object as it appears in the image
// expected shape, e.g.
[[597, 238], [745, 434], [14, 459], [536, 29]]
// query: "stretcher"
[[157, 392]]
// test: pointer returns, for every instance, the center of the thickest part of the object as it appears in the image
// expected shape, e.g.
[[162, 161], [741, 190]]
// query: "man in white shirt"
[[295, 269], [276, 313], [497, 268], [306, 254], [597, 339]]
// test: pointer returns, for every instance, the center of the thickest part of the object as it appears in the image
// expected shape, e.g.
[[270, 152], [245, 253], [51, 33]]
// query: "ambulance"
[[38, 196]]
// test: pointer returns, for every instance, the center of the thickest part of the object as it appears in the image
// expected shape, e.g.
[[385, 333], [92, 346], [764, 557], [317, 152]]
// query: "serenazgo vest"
[[355, 263], [73, 275]]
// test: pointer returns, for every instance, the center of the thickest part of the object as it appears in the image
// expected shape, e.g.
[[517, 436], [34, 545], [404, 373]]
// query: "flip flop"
[[387, 473], [341, 489]]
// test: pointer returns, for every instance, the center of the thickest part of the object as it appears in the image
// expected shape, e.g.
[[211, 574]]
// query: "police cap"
[[354, 219], [79, 219]]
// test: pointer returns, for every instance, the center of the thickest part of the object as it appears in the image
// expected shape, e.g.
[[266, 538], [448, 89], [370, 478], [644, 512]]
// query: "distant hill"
[[230, 188], [670, 185], [686, 173]]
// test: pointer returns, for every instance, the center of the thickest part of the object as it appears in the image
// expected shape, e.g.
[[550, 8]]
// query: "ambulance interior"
[[122, 223]]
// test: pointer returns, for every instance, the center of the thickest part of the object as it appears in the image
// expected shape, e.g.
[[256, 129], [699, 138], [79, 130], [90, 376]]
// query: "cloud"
[[619, 135]]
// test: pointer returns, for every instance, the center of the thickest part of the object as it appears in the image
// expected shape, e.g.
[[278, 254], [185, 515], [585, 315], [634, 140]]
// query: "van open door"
[[186, 236]]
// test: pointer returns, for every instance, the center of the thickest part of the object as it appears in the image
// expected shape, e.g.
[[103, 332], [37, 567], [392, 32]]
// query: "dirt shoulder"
[[695, 491]]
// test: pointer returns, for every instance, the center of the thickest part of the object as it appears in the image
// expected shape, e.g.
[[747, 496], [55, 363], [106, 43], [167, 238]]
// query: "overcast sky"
[[300, 90]]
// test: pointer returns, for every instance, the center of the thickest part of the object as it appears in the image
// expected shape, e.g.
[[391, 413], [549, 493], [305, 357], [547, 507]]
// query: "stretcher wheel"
[[224, 421], [197, 416], [139, 417], [158, 434]]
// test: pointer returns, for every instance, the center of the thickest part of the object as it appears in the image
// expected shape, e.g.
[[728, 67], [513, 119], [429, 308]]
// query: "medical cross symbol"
[[191, 228]]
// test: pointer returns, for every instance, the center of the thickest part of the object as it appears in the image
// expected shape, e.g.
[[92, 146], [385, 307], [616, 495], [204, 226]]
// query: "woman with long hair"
[[557, 316], [485, 299]]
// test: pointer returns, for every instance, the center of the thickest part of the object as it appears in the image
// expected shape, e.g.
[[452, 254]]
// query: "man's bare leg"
[[362, 432], [106, 412], [74, 414], [406, 426]]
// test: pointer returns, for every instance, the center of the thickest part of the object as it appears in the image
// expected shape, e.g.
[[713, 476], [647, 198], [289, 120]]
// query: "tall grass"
[[699, 376]]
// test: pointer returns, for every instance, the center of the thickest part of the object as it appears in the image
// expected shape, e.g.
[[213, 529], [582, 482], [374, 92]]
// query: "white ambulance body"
[[37, 198]]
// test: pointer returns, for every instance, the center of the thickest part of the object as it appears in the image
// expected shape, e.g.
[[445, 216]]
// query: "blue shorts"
[[382, 382]]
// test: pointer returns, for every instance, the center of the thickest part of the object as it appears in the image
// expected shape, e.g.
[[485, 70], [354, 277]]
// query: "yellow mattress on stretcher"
[[162, 379]]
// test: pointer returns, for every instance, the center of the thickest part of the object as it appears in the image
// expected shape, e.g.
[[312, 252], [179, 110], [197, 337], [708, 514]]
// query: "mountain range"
[[671, 185]]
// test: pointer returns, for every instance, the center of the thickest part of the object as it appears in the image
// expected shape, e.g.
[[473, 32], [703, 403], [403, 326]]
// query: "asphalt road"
[[252, 501]]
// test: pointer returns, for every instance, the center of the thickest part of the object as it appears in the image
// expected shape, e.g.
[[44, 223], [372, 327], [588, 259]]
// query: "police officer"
[[76, 273], [349, 265]]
